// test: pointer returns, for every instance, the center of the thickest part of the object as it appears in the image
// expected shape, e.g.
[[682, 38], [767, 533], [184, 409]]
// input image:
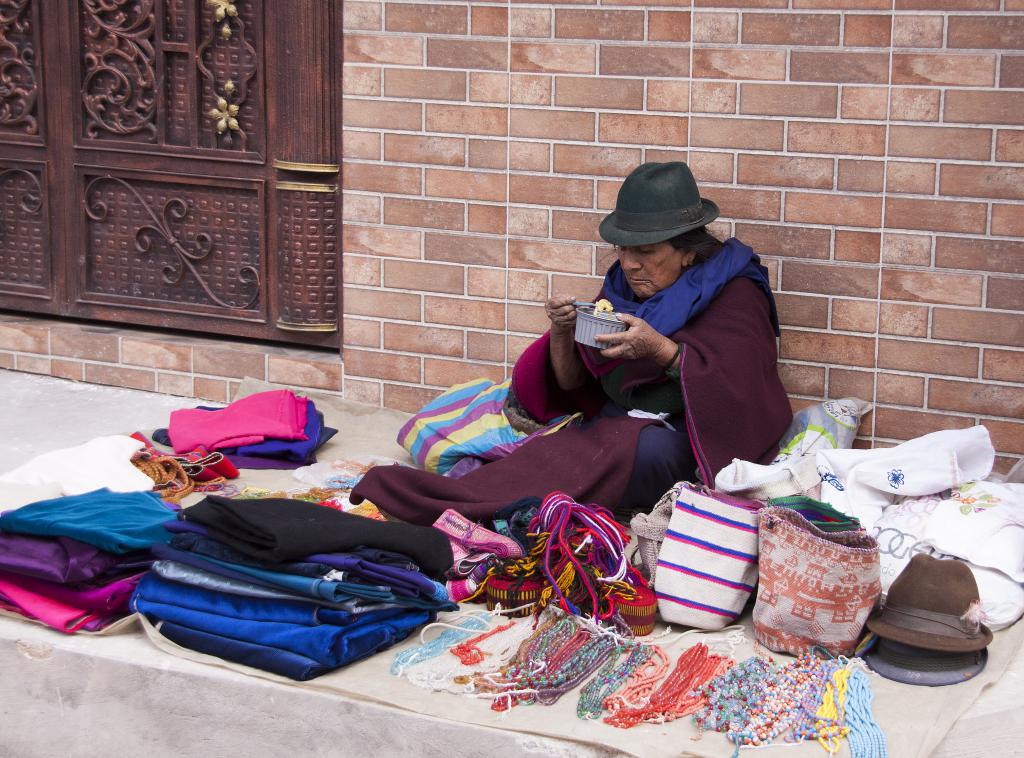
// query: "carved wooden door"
[[172, 163]]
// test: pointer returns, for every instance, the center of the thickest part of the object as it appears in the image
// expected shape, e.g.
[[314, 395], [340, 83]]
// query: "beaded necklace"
[[866, 738], [427, 650], [638, 688], [469, 652], [624, 661]]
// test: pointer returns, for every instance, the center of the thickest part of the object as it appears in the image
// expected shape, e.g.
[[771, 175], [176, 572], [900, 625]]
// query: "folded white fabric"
[[14, 495], [793, 476], [862, 483], [100, 462]]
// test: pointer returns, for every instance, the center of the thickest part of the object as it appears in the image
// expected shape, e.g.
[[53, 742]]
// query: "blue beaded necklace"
[[866, 738]]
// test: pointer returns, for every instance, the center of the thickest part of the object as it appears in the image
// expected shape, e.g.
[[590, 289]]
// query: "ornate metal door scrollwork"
[[188, 253]]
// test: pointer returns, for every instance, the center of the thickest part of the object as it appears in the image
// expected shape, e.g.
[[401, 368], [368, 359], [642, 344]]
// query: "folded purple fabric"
[[62, 559], [105, 598]]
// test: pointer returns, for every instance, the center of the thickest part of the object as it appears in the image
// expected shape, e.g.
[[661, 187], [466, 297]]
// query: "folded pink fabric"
[[53, 613], [277, 414], [108, 598]]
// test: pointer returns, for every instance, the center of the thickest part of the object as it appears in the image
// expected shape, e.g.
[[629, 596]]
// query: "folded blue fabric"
[[118, 522]]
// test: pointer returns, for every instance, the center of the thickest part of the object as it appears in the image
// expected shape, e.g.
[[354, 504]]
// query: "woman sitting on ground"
[[691, 383]]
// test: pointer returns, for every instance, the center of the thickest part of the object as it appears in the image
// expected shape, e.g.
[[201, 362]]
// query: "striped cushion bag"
[[707, 566]]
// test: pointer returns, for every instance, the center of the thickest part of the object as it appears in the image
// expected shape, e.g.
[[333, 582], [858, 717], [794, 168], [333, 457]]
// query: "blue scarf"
[[669, 310]]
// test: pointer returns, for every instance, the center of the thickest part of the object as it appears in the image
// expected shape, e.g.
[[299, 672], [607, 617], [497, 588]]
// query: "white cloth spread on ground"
[[100, 462]]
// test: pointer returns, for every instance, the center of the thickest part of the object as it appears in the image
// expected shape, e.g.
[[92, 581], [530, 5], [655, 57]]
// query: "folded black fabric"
[[285, 530]]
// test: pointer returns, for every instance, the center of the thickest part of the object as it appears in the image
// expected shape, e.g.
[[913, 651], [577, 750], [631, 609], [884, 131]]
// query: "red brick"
[[361, 80], [488, 219], [1010, 145], [1007, 437], [575, 225], [707, 167], [813, 66], [364, 208], [785, 171], [707, 96], [361, 16], [897, 424], [861, 176], [486, 87], [74, 371], [486, 153], [1003, 365], [939, 69], [485, 346], [474, 313], [733, 63], [735, 4], [528, 222], [404, 398], [802, 310], [407, 148], [940, 142], [829, 279], [642, 60], [530, 22], [527, 318], [552, 124], [1007, 294], [467, 54], [1001, 182], [1011, 71], [220, 361], [549, 190], [844, 210], [430, 277], [716, 27], [384, 365], [950, 5], [599, 92], [469, 185], [847, 383], [817, 346], [799, 379], [854, 315], [210, 389], [928, 358], [367, 392], [963, 106], [1002, 32], [987, 327], [900, 389], [857, 246], [433, 214], [464, 248], [29, 338], [760, 205], [851, 5], [791, 28], [917, 31], [668, 26], [935, 215], [530, 156], [362, 332], [373, 48], [365, 145], [788, 100], [903, 320], [377, 240], [595, 24], [607, 193], [864, 103], [372, 177], [914, 104], [931, 287], [743, 133], [553, 57], [118, 376], [867, 30], [382, 114], [489, 21], [841, 139], [549, 256], [486, 282], [786, 240], [467, 119], [912, 178], [443, 373], [321, 373], [530, 89], [1007, 220], [599, 161], [976, 397], [987, 255], [430, 18], [90, 343], [409, 338], [907, 249], [675, 95], [528, 286], [361, 269], [642, 130], [390, 305]]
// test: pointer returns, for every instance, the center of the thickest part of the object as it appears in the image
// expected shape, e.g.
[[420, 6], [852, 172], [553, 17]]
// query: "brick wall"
[[871, 150]]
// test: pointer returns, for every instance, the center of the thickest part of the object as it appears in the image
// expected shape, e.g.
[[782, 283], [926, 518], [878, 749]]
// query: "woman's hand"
[[639, 341], [562, 314]]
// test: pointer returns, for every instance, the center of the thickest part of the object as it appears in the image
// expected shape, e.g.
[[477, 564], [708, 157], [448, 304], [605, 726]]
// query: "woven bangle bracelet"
[[674, 356]]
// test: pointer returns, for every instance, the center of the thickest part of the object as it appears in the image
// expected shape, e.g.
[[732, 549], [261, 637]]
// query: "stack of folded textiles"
[[292, 587], [73, 562], [268, 430]]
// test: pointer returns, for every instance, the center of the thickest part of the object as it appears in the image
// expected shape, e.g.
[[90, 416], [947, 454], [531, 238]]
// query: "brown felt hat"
[[933, 604]]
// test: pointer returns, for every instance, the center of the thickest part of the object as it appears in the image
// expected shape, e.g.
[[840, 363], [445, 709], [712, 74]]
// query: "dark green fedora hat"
[[656, 202]]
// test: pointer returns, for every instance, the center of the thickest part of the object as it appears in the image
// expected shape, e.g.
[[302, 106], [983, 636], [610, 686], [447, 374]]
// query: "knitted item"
[[649, 529], [707, 566], [513, 593], [816, 588], [639, 609]]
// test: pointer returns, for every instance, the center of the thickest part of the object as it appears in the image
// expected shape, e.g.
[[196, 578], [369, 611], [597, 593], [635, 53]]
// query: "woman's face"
[[651, 268]]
